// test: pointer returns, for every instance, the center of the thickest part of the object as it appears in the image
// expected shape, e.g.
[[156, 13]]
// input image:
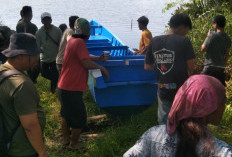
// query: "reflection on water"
[[119, 16]]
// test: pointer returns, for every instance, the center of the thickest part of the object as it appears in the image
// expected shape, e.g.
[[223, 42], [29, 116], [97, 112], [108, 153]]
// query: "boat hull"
[[129, 84]]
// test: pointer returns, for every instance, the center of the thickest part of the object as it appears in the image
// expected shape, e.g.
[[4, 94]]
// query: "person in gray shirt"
[[65, 37], [48, 39], [217, 46]]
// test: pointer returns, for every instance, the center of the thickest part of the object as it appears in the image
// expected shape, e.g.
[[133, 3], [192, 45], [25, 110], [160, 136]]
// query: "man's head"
[[5, 33], [181, 23], [219, 21], [46, 19], [72, 20], [26, 13], [23, 48], [143, 22], [63, 27]]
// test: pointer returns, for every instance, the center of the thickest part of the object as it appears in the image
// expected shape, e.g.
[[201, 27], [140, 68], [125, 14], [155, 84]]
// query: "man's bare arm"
[[203, 48], [33, 131], [88, 64], [191, 65], [149, 67]]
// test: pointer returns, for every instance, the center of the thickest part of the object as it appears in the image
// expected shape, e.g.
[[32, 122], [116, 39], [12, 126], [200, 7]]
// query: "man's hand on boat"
[[105, 71], [102, 57], [140, 52], [89, 64], [136, 51]]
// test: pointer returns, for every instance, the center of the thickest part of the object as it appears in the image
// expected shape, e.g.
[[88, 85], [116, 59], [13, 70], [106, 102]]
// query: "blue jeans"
[[164, 107]]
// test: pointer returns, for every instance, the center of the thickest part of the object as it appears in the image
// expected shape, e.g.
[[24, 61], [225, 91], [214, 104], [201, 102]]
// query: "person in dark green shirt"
[[19, 99], [25, 26]]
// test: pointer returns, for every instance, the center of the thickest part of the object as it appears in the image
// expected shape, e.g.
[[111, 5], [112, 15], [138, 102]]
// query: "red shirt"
[[73, 75]]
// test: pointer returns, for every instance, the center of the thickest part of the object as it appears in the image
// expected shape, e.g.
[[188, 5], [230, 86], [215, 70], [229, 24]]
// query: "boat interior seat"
[[99, 44], [95, 26], [104, 48], [93, 40]]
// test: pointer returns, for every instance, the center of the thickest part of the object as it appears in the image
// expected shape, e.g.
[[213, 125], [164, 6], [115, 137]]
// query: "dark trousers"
[[216, 72], [73, 108], [49, 71], [34, 73], [24, 156]]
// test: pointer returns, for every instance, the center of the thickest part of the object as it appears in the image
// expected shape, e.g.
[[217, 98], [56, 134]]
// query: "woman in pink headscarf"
[[198, 102]]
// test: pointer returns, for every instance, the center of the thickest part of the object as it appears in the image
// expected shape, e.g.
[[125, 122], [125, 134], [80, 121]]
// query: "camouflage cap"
[[82, 26]]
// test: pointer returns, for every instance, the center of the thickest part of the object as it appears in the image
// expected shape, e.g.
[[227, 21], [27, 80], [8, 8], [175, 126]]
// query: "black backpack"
[[5, 139]]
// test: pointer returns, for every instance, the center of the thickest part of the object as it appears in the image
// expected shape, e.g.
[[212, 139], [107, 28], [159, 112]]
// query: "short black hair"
[[180, 19], [72, 20], [143, 20], [220, 20], [5, 33], [26, 10], [63, 27]]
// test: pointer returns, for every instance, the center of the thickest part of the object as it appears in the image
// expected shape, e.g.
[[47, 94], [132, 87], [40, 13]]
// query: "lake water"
[[119, 16]]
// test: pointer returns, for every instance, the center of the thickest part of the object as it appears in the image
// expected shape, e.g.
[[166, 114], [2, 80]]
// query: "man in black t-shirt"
[[217, 46], [172, 57]]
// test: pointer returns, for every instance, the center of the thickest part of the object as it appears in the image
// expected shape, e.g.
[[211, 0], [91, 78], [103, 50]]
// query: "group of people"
[[172, 56], [185, 104], [48, 38], [35, 50]]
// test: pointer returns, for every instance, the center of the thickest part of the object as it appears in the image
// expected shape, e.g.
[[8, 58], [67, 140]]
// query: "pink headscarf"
[[199, 96]]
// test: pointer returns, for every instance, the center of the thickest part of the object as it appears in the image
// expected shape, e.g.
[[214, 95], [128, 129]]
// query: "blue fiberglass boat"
[[129, 83]]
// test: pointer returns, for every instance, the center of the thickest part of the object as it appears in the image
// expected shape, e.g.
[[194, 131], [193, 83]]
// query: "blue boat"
[[129, 83]]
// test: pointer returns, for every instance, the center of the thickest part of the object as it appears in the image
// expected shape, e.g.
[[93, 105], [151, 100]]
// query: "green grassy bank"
[[120, 131]]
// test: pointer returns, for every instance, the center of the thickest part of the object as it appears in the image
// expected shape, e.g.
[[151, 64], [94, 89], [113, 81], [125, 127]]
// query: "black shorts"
[[72, 108], [218, 73]]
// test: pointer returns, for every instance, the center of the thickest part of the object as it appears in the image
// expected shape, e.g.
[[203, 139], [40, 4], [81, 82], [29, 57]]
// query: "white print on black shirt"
[[164, 60]]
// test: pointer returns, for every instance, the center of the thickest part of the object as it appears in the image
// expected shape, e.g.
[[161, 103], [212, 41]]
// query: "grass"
[[121, 131]]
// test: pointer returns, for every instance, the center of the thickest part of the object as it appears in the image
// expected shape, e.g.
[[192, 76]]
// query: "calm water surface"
[[119, 16]]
